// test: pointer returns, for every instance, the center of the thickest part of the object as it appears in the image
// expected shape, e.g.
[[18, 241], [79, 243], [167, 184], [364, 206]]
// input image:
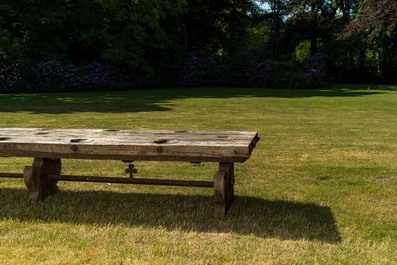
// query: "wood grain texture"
[[36, 178], [163, 145], [220, 194]]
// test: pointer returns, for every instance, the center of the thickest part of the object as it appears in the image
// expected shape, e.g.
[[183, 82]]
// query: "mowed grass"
[[320, 187]]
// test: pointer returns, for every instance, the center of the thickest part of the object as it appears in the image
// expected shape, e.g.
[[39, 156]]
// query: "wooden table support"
[[41, 180], [223, 189], [141, 181], [36, 178]]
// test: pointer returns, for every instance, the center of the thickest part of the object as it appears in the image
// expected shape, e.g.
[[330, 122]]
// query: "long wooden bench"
[[49, 146]]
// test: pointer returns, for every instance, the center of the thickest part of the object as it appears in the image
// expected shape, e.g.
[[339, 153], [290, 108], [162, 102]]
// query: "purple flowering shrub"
[[259, 72], [251, 70], [243, 69], [190, 76], [316, 67], [315, 76], [47, 75], [71, 78], [203, 71], [214, 72], [318, 61], [95, 76], [53, 76]]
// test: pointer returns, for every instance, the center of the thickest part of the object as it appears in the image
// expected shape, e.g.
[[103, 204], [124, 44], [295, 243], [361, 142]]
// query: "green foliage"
[[302, 51], [290, 79], [216, 25], [289, 75], [151, 40], [128, 34], [140, 28], [10, 32]]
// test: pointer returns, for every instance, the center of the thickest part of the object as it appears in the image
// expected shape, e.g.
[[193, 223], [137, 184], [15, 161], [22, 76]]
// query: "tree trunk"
[[313, 30]]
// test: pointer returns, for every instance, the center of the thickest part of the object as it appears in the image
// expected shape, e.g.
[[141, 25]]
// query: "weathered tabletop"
[[192, 146]]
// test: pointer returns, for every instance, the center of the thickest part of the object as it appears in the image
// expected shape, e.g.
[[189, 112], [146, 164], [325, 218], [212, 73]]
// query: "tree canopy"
[[157, 41]]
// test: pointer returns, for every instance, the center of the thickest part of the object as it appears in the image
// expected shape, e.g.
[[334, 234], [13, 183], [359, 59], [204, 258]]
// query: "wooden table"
[[49, 146]]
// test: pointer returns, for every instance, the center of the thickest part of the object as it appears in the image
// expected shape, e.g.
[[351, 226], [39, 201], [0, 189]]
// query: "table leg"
[[223, 189], [35, 178]]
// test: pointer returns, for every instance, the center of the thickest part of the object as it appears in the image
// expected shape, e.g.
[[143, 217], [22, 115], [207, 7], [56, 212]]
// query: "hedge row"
[[243, 70], [248, 71]]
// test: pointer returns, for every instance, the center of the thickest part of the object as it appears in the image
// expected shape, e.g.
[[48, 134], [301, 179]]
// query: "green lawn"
[[320, 187]]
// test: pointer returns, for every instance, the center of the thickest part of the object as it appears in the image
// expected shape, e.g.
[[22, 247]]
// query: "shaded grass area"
[[155, 99], [289, 221], [320, 187]]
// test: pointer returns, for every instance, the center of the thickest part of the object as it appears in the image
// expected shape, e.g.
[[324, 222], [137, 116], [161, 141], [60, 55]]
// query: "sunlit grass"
[[320, 187]]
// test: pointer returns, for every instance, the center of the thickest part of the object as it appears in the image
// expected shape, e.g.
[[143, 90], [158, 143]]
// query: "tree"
[[376, 22], [142, 35], [375, 17], [313, 18], [347, 8], [275, 14], [216, 26], [12, 30]]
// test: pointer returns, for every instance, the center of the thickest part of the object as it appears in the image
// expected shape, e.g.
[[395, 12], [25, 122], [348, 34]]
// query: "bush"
[[316, 67], [53, 76], [244, 69], [314, 76], [288, 75], [71, 78], [289, 79], [10, 76], [252, 70], [238, 65], [318, 61], [204, 71], [214, 72], [259, 73], [137, 79], [190, 76], [47, 75], [96, 76]]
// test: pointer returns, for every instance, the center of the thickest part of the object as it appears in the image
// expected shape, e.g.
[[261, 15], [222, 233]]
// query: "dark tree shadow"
[[248, 215], [154, 99]]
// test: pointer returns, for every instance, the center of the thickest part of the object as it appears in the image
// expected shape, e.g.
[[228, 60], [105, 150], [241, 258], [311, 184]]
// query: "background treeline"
[[113, 44]]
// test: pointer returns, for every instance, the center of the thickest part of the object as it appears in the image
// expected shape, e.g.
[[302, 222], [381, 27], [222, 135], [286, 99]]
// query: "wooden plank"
[[57, 135], [193, 146], [105, 136]]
